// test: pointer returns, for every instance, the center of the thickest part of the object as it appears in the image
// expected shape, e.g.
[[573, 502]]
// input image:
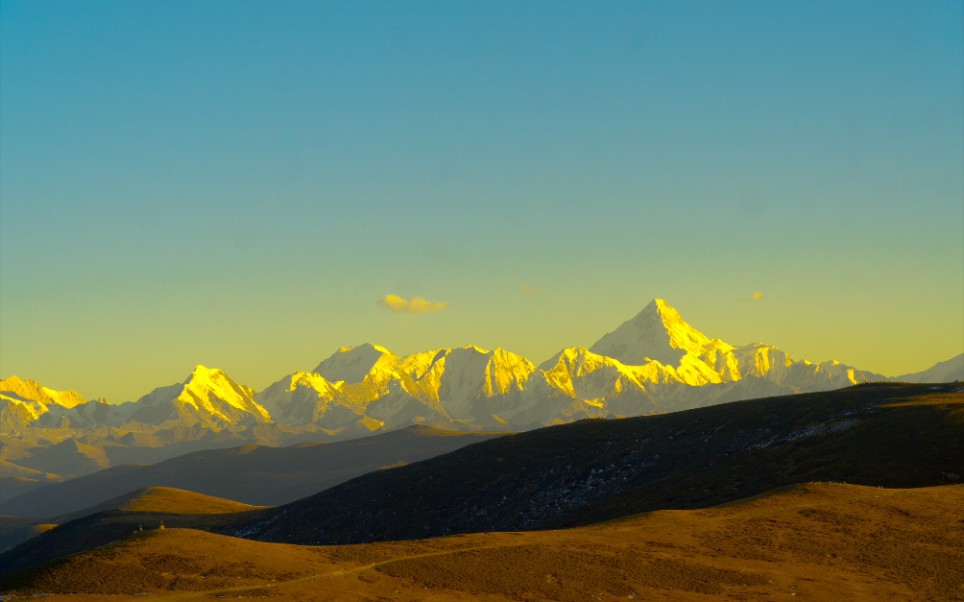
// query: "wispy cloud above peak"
[[416, 305]]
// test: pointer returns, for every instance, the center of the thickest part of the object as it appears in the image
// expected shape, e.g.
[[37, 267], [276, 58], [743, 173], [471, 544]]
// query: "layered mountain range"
[[653, 363]]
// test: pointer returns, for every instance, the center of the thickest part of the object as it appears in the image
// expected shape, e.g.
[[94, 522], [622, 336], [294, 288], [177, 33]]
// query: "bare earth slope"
[[818, 542]]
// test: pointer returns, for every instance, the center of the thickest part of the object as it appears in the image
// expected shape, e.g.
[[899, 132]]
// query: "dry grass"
[[168, 500], [39, 543], [819, 542]]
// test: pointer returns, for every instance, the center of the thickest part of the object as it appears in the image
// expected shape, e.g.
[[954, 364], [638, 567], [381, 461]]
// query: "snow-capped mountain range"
[[653, 363]]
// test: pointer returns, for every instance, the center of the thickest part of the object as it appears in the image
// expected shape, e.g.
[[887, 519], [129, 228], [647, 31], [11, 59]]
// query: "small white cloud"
[[416, 305]]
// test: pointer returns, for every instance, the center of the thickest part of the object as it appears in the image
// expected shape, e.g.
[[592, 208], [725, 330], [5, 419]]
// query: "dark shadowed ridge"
[[890, 435], [251, 474]]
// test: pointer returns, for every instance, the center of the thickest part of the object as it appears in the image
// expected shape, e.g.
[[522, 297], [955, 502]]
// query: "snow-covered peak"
[[660, 306], [581, 374], [353, 364], [202, 373], [208, 396], [31, 390], [658, 332], [476, 349], [576, 360], [206, 382], [311, 380], [473, 371]]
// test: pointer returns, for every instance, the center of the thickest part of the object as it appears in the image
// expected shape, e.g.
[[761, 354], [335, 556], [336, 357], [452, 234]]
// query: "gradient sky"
[[239, 183]]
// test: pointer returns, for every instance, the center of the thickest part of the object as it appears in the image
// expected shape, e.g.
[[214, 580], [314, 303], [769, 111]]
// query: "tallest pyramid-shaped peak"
[[659, 315], [661, 308], [658, 304], [658, 332]]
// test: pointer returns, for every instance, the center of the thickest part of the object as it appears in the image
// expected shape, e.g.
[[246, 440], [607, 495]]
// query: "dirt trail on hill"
[[822, 541], [338, 573]]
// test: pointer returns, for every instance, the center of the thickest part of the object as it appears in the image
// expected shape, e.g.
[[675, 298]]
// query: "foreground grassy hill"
[[890, 435], [820, 541], [113, 520], [149, 501]]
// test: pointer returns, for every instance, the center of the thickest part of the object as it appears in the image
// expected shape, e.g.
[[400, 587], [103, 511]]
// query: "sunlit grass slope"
[[818, 541], [169, 500]]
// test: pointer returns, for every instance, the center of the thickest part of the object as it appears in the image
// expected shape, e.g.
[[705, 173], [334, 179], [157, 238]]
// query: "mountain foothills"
[[727, 501], [252, 474], [654, 363]]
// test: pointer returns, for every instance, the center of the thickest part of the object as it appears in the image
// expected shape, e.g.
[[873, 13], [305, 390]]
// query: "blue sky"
[[239, 183]]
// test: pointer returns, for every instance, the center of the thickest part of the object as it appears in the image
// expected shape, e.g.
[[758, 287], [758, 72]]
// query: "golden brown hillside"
[[822, 541], [168, 500]]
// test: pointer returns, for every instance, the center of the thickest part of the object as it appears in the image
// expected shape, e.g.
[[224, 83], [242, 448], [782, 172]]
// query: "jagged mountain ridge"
[[208, 397], [23, 402], [653, 363], [371, 386]]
